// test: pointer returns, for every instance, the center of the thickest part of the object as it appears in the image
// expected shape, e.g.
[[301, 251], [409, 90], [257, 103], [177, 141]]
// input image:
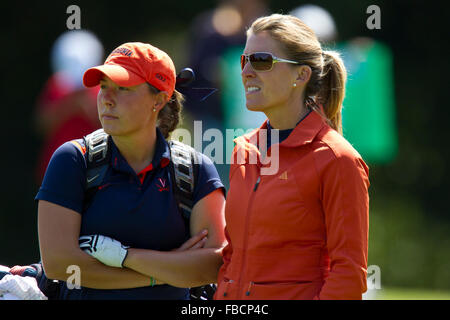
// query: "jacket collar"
[[303, 133]]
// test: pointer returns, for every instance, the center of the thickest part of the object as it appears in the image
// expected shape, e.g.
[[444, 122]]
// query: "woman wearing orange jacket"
[[297, 213]]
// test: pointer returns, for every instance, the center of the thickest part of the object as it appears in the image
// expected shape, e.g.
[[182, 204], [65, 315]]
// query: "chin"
[[254, 107], [112, 130]]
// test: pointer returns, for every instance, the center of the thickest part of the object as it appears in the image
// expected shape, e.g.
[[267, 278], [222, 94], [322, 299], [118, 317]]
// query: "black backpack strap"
[[183, 172], [184, 166], [98, 156]]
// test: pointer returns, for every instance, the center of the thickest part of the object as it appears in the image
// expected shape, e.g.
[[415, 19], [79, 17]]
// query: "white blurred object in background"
[[13, 287], [73, 53], [318, 19]]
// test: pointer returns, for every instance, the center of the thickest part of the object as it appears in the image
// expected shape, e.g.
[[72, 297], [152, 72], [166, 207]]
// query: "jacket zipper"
[[257, 183], [247, 218]]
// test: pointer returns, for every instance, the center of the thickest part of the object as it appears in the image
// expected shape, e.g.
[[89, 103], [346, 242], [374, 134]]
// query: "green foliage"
[[411, 249], [410, 294]]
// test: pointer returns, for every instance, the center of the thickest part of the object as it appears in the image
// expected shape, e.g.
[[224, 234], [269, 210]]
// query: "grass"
[[406, 294]]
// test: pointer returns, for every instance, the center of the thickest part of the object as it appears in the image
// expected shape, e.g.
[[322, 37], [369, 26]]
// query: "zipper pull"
[[226, 288], [248, 289], [257, 183]]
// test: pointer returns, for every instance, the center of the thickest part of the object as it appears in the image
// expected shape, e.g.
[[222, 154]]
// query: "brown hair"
[[327, 81], [170, 115]]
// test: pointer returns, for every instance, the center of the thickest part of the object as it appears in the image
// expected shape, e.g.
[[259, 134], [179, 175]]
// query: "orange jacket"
[[301, 233]]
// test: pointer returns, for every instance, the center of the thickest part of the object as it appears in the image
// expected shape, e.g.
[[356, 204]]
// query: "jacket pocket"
[[298, 290]]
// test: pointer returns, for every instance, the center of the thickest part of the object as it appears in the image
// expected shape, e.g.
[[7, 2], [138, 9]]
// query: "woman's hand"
[[105, 249], [112, 253], [195, 242]]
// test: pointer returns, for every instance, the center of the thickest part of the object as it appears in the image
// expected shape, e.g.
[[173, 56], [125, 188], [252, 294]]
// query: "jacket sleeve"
[[345, 201]]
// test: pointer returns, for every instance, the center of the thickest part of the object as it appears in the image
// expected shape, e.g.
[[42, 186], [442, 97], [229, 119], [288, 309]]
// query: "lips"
[[109, 117]]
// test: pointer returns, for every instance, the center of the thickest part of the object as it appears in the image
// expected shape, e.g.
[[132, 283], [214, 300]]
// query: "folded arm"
[[59, 230], [194, 267]]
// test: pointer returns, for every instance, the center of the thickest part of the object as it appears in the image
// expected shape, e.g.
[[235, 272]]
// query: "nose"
[[247, 71], [106, 97]]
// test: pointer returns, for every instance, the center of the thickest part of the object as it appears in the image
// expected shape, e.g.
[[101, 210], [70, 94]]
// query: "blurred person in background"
[[215, 37], [302, 232], [65, 109], [138, 243], [368, 119], [211, 35]]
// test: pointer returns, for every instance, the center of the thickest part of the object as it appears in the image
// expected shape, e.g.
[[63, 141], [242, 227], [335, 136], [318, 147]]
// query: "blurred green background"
[[409, 217]]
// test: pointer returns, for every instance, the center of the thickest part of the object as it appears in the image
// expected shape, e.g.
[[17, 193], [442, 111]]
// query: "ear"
[[161, 99], [303, 74]]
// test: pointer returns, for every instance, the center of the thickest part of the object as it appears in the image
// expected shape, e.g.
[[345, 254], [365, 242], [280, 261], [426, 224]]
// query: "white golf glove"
[[105, 249]]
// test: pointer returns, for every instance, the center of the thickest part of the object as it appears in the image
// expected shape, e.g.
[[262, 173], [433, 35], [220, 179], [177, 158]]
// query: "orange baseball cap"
[[134, 63]]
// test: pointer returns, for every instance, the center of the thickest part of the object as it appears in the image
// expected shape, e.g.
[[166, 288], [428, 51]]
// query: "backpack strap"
[[98, 156], [184, 167], [183, 172]]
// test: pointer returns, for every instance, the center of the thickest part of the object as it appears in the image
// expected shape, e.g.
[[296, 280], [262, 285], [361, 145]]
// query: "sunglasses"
[[262, 61]]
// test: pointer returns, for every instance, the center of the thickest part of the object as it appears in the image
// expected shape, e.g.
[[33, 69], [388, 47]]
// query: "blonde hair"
[[328, 77]]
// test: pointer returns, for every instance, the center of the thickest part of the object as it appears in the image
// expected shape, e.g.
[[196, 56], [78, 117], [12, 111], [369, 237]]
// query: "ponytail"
[[332, 89], [170, 116]]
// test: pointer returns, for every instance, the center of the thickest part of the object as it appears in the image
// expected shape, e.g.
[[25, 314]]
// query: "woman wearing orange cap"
[[134, 242], [300, 229]]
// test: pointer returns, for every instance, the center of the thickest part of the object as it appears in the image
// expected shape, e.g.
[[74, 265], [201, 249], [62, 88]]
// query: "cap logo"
[[160, 77], [124, 51]]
